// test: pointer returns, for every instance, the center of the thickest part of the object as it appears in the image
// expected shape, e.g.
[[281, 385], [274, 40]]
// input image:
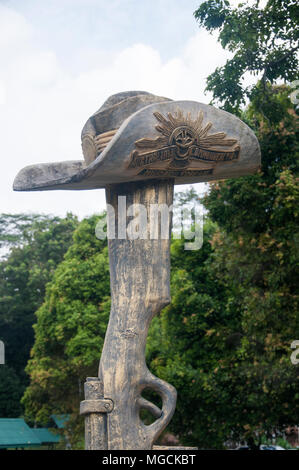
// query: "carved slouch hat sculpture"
[[137, 135], [139, 145]]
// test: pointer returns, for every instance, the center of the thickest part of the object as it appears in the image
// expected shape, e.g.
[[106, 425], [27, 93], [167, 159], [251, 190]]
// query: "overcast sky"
[[61, 59]]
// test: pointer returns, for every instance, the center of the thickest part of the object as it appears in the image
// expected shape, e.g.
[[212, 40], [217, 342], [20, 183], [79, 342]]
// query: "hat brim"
[[113, 165]]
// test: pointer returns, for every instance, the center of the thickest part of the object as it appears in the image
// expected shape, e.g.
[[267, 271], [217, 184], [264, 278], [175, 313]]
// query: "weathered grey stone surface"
[[116, 109], [111, 166], [160, 448], [139, 279], [95, 420]]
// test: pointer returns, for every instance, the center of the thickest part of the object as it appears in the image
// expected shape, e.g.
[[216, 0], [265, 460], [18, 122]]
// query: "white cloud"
[[44, 105], [14, 29], [2, 93]]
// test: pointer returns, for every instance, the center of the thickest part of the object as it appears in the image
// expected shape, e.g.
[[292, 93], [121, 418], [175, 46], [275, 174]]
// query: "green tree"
[[183, 341], [224, 341], [10, 393], [15, 229], [233, 368], [34, 246], [256, 256], [264, 43], [69, 331]]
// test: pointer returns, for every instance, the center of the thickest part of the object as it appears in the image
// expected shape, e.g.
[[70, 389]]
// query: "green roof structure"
[[46, 436], [15, 433], [60, 420]]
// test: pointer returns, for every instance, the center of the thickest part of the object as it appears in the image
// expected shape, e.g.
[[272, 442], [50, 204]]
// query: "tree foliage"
[[256, 255], [225, 344], [263, 43], [10, 393], [181, 344], [15, 229], [224, 341], [37, 246], [70, 330]]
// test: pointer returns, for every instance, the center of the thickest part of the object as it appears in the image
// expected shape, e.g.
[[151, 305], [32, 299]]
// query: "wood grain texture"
[[140, 288], [95, 422]]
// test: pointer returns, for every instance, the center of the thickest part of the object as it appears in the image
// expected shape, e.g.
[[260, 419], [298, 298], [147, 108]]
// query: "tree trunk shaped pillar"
[[140, 288]]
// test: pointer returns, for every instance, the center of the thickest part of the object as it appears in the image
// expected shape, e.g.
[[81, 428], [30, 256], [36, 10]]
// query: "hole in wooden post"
[[153, 399]]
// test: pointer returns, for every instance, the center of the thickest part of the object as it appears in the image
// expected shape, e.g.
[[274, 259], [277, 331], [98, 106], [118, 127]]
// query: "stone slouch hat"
[[136, 136]]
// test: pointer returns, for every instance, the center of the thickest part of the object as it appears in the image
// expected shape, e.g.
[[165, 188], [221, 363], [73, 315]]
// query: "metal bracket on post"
[[95, 408]]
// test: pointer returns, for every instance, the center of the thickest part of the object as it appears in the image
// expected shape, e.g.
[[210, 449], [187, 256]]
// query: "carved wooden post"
[[139, 145], [139, 272], [95, 409]]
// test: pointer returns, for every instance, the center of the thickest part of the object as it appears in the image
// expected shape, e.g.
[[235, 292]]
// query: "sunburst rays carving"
[[167, 127]]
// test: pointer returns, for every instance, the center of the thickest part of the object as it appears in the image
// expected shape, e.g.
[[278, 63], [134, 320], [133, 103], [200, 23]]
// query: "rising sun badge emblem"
[[184, 148]]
